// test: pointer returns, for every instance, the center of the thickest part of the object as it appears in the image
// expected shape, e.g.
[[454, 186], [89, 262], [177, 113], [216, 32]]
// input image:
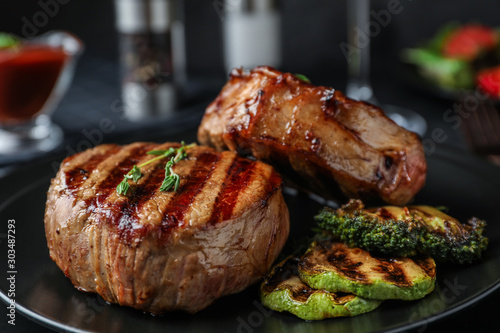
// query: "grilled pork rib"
[[159, 251], [327, 139]]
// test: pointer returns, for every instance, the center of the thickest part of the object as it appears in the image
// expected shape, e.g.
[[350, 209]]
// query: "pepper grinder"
[[251, 33], [146, 57]]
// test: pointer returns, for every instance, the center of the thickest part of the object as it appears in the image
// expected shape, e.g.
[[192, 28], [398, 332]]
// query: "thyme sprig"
[[171, 178], [302, 78]]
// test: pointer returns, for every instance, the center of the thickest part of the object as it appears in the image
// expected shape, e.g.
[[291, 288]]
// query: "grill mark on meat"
[[189, 190], [108, 185], [130, 261], [237, 180], [125, 215], [79, 173], [150, 184]]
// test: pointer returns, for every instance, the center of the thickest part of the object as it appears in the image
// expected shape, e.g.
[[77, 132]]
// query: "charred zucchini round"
[[336, 267], [282, 290]]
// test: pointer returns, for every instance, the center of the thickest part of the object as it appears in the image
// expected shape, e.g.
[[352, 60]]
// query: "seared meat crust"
[[160, 251], [317, 133]]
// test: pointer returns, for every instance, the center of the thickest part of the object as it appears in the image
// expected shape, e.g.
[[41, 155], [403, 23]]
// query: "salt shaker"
[[251, 33], [146, 57]]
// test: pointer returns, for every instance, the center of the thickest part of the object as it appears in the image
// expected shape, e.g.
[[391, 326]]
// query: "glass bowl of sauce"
[[34, 75]]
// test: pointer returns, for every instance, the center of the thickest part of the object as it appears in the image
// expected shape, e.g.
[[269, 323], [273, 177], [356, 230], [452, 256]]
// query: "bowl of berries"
[[458, 59]]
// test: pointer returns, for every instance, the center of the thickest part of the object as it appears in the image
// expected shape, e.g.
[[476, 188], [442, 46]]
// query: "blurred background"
[[309, 42], [311, 31]]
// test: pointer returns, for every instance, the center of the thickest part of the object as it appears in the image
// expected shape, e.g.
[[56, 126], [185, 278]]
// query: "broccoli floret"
[[405, 231]]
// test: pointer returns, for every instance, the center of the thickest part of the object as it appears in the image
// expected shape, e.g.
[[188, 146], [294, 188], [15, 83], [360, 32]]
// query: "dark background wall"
[[312, 30]]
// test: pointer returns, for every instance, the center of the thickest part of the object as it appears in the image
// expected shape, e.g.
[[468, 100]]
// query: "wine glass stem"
[[358, 86]]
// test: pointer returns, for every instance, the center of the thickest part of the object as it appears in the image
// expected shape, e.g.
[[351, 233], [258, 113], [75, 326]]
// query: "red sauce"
[[27, 76]]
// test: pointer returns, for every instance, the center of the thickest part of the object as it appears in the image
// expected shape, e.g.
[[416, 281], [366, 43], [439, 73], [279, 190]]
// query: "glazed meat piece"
[[158, 251], [316, 133]]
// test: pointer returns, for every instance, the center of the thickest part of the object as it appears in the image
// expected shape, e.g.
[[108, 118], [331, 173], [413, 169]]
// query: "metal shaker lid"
[[251, 6], [141, 16]]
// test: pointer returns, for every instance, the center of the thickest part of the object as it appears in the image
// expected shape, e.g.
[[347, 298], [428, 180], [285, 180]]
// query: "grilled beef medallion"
[[316, 133], [165, 250]]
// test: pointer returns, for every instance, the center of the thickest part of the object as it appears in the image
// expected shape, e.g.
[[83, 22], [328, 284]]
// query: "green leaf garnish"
[[8, 40], [171, 178], [123, 187], [135, 174], [303, 78], [166, 152]]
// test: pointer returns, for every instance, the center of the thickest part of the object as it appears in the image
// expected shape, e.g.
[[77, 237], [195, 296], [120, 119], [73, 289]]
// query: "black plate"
[[463, 183]]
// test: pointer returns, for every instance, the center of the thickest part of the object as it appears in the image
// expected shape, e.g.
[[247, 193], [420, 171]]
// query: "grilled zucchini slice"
[[282, 290], [406, 231], [335, 267]]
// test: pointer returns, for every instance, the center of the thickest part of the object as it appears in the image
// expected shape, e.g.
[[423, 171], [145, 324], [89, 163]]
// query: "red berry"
[[489, 81], [468, 41]]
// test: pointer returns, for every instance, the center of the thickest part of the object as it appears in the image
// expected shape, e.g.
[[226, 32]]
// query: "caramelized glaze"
[[122, 212]]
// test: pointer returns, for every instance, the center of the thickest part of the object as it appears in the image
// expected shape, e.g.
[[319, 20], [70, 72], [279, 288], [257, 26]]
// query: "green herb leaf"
[[167, 184], [165, 153], [136, 173], [177, 182], [171, 178], [171, 181], [8, 40], [123, 187], [302, 77]]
